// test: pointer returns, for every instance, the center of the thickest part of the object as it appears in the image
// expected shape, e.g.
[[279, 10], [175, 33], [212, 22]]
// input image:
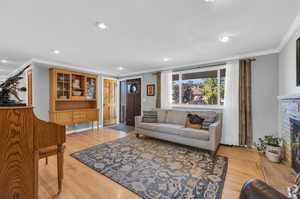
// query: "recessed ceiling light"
[[166, 59], [101, 25], [120, 68], [55, 51], [210, 1], [224, 38], [4, 61]]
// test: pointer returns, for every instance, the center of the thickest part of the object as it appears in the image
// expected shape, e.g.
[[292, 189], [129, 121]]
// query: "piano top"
[[14, 107]]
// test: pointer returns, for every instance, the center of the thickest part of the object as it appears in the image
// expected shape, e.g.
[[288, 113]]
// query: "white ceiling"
[[140, 32]]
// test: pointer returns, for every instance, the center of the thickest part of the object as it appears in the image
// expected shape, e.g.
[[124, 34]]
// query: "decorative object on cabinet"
[[91, 88], [73, 97]]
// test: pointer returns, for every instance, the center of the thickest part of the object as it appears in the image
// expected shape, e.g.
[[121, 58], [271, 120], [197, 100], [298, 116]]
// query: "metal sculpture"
[[9, 88]]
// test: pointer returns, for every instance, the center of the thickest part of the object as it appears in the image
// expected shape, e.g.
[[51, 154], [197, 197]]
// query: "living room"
[[141, 99]]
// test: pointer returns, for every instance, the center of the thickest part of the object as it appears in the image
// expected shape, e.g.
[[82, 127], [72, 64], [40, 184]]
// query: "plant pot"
[[273, 157], [273, 148], [273, 153]]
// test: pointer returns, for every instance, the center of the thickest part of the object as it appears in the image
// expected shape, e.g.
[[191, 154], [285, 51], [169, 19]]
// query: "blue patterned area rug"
[[121, 127], [157, 169]]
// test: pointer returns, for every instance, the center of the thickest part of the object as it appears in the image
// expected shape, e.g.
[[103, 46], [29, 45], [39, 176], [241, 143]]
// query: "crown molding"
[[67, 66], [289, 34], [228, 59]]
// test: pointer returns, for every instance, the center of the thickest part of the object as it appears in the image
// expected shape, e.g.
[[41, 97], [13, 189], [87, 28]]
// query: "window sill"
[[219, 107]]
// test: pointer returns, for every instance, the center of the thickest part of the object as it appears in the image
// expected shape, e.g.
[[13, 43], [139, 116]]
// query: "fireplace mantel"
[[290, 97]]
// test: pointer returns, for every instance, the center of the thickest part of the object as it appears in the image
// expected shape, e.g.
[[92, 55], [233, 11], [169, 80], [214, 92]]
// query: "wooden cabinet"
[[73, 97], [75, 116], [90, 114], [62, 117]]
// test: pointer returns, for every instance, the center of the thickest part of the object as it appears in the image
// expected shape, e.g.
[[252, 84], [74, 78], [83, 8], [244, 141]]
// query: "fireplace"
[[295, 144], [289, 129]]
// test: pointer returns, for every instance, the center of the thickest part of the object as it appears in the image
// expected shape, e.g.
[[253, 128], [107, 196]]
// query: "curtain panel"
[[158, 92], [230, 133], [166, 89], [245, 103]]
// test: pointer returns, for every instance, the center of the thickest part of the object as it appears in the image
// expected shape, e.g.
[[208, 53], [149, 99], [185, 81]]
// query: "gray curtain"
[[158, 93], [245, 104]]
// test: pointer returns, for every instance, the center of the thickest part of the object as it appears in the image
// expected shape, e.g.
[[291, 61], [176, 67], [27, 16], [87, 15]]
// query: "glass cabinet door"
[[91, 88], [63, 85]]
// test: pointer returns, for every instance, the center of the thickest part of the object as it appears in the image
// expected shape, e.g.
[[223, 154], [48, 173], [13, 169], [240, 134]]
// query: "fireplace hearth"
[[295, 144]]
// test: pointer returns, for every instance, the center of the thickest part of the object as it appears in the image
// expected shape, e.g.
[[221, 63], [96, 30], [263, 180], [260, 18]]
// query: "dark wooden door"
[[133, 100]]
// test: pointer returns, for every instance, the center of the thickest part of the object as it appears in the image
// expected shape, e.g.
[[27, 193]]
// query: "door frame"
[[117, 100], [29, 87], [142, 90]]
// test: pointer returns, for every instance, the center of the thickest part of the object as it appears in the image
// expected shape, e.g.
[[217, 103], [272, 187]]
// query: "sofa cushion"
[[195, 133], [176, 117], [162, 127], [162, 116], [150, 117]]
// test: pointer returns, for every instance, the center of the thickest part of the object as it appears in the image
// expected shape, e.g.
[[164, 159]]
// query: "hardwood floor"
[[81, 182]]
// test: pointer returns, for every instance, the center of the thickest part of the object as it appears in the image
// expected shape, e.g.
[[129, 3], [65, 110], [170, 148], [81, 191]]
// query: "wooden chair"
[[54, 150], [51, 139]]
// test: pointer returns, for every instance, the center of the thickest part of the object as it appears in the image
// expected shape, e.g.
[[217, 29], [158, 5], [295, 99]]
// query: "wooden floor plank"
[[83, 182]]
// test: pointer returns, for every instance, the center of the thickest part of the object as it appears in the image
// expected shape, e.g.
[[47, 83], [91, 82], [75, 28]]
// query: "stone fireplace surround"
[[289, 110]]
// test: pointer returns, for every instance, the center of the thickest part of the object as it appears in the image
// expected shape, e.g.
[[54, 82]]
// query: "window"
[[199, 87]]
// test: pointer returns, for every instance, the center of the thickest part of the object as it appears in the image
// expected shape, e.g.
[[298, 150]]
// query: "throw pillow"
[[149, 117], [188, 124], [194, 121], [208, 120]]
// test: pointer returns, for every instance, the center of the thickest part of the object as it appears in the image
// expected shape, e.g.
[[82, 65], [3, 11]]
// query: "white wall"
[[40, 91], [264, 96], [287, 67], [149, 102]]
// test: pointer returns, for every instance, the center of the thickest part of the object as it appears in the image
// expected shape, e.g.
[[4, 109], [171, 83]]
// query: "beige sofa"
[[171, 127]]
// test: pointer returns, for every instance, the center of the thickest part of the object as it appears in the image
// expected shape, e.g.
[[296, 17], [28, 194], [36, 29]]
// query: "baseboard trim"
[[82, 129]]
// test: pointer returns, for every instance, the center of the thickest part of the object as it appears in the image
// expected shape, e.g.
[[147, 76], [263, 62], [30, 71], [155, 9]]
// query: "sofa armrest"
[[215, 134], [137, 120]]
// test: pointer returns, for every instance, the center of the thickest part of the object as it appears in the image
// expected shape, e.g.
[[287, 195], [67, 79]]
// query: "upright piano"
[[22, 135]]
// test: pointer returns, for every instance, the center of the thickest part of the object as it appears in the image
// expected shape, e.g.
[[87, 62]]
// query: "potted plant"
[[260, 146], [271, 146]]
